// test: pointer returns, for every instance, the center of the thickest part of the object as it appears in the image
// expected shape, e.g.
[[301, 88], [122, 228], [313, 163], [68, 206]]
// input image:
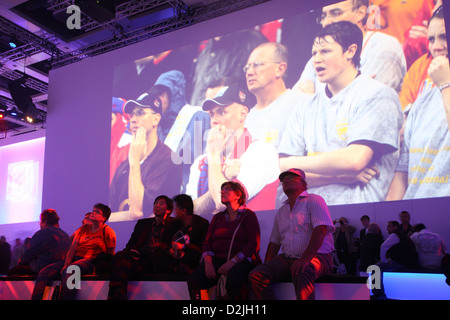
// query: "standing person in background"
[[370, 247], [345, 244], [405, 223], [5, 255]]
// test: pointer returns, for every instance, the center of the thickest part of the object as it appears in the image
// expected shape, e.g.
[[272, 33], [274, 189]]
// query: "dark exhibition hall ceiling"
[[35, 37]]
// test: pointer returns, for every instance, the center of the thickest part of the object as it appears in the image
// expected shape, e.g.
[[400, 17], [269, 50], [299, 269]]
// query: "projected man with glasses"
[[265, 74], [346, 136], [149, 170]]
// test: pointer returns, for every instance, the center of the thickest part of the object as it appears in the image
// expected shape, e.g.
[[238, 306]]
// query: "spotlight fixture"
[[22, 98]]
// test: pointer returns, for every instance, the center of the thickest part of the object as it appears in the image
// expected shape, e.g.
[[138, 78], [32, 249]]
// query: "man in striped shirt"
[[303, 231]]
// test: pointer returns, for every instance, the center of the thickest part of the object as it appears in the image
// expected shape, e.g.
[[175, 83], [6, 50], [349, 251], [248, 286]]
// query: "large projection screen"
[[79, 168]]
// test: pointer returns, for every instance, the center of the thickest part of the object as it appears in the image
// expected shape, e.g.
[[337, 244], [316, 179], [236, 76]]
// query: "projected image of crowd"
[[368, 125], [271, 118]]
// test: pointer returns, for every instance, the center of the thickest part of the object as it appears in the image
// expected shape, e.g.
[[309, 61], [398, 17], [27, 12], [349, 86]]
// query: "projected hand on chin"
[[138, 146], [439, 70], [216, 143]]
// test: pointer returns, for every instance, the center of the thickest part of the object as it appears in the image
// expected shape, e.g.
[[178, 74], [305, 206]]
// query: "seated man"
[[430, 247], [348, 132], [49, 244], [186, 251], [149, 169], [302, 229], [396, 252], [231, 153], [149, 241]]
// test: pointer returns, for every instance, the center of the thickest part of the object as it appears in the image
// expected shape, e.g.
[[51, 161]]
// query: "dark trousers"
[[125, 266], [53, 271], [236, 277], [279, 268], [384, 267]]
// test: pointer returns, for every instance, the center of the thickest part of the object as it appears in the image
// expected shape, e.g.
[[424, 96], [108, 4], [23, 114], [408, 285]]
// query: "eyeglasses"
[[97, 211], [256, 65], [140, 113]]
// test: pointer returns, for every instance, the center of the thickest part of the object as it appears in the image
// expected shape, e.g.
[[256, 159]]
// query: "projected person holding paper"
[[149, 170], [231, 153], [346, 136]]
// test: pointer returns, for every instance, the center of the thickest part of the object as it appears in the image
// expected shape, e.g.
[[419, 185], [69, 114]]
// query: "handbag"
[[219, 291]]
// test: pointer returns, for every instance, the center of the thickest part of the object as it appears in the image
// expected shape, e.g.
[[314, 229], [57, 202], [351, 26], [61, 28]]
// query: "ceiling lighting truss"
[[185, 17]]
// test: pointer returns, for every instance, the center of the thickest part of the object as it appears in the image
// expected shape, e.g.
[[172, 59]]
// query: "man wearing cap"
[[149, 170], [229, 142], [303, 230]]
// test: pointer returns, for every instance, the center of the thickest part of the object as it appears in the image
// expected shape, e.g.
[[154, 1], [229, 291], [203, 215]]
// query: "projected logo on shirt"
[[341, 128]]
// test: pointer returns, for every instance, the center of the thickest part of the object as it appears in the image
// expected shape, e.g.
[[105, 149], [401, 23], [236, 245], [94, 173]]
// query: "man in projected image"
[[229, 140], [265, 73], [424, 166], [382, 55], [149, 170], [346, 136]]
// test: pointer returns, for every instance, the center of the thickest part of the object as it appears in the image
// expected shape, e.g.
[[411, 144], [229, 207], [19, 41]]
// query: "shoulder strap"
[[104, 237], [234, 234]]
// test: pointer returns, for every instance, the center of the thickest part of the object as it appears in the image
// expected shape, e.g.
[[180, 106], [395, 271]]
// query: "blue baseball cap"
[[231, 94], [145, 100], [298, 172]]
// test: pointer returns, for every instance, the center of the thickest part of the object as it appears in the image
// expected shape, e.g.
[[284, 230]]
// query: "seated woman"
[[244, 253], [88, 242]]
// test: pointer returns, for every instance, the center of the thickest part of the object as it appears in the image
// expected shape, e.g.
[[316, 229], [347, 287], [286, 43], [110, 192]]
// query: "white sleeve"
[[259, 167], [391, 241]]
